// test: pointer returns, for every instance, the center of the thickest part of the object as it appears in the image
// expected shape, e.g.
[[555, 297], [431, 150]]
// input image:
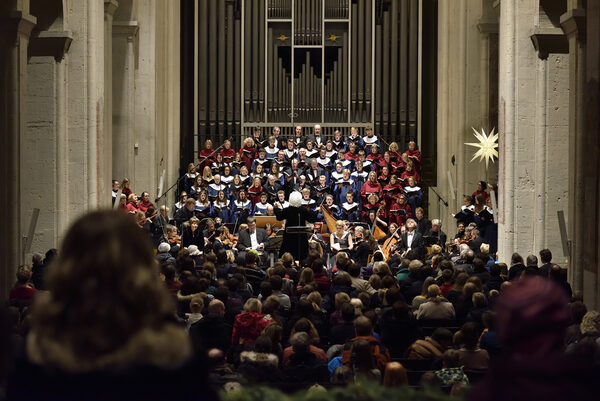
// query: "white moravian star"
[[487, 146]]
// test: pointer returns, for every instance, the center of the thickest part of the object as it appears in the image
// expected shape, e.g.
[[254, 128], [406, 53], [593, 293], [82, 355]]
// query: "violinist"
[[173, 238], [210, 231], [436, 231], [219, 240], [374, 220]]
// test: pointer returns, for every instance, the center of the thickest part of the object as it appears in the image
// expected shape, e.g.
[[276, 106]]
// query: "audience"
[[101, 314]]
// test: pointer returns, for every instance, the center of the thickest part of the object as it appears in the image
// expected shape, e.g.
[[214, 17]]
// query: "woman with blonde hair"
[[94, 333], [248, 325], [395, 375], [307, 277]]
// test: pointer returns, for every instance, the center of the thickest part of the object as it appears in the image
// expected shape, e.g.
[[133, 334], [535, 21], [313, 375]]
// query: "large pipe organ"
[[339, 63]]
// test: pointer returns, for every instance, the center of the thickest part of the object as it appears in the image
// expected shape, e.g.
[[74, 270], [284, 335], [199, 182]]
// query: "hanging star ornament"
[[283, 38], [487, 146]]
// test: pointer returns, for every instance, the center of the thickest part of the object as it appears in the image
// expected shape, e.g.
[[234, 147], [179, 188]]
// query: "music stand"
[[272, 247], [298, 230]]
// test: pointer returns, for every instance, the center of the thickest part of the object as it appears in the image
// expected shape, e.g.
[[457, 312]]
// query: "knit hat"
[[532, 316], [164, 247]]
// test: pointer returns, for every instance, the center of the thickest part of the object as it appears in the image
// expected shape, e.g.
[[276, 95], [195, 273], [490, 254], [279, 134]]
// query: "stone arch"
[[49, 14]]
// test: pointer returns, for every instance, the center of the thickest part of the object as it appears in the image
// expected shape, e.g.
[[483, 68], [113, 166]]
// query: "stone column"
[[124, 35], [44, 153], [15, 28], [105, 159], [573, 23]]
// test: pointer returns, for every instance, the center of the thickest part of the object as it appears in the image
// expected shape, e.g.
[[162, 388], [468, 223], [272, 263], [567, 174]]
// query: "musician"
[[476, 241], [466, 213], [227, 153], [423, 224], [385, 176], [341, 158], [374, 156], [281, 200], [372, 186], [220, 207], [218, 165], [295, 215], [370, 139], [349, 210], [414, 194], [321, 189], [354, 137], [340, 240], [145, 203], [332, 207], [215, 187], [391, 190], [185, 213], [338, 173], [202, 208], [298, 138], [310, 150], [255, 190], [209, 231], [190, 177], [410, 171], [192, 234], [394, 151], [436, 231], [307, 201], [352, 154], [271, 188], [196, 188], [316, 136], [373, 219], [338, 141], [173, 238], [260, 208], [252, 238], [412, 239], [132, 203], [414, 155], [271, 149], [372, 204], [323, 161], [460, 228], [257, 137], [219, 240], [290, 152], [343, 186], [248, 152], [481, 187], [207, 155], [226, 177], [240, 208], [314, 172]]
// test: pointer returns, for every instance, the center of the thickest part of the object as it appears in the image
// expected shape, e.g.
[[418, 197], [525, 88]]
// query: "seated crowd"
[[406, 309]]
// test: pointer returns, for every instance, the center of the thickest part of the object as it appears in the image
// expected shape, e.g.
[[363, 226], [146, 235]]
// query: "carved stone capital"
[[573, 23], [51, 44], [125, 28], [550, 41], [16, 25]]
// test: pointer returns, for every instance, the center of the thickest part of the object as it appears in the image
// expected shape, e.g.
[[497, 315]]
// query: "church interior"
[[480, 113]]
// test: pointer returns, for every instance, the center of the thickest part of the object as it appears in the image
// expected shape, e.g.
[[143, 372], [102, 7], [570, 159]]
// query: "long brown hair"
[[106, 306]]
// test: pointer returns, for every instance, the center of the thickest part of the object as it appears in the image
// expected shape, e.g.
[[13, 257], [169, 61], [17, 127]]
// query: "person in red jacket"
[[132, 204], [248, 152], [227, 152], [414, 155], [145, 203], [364, 331], [410, 172], [400, 211], [23, 290], [208, 154], [372, 186], [249, 324]]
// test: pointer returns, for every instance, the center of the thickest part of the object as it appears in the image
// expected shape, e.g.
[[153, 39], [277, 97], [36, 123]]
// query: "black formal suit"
[[322, 139], [296, 244], [244, 240], [475, 244], [441, 237], [417, 244], [312, 176]]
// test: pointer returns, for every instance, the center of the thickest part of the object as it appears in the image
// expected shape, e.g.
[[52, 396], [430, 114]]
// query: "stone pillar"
[[44, 144], [105, 160], [573, 23], [15, 28], [123, 114]]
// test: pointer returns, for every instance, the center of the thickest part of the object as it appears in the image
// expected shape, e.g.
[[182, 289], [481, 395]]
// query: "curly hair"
[[106, 306]]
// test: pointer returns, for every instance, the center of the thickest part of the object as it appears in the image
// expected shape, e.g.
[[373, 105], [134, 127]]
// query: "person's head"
[[93, 315], [532, 315], [363, 326], [532, 260], [317, 130], [546, 256], [194, 223], [251, 221], [590, 324], [516, 259], [395, 375], [197, 304], [340, 299], [411, 225], [295, 199], [443, 336], [481, 186], [301, 343], [578, 310], [433, 291], [24, 274], [253, 305], [451, 359], [479, 300]]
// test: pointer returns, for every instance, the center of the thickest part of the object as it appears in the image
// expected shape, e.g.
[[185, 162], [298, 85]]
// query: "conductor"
[[295, 215]]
